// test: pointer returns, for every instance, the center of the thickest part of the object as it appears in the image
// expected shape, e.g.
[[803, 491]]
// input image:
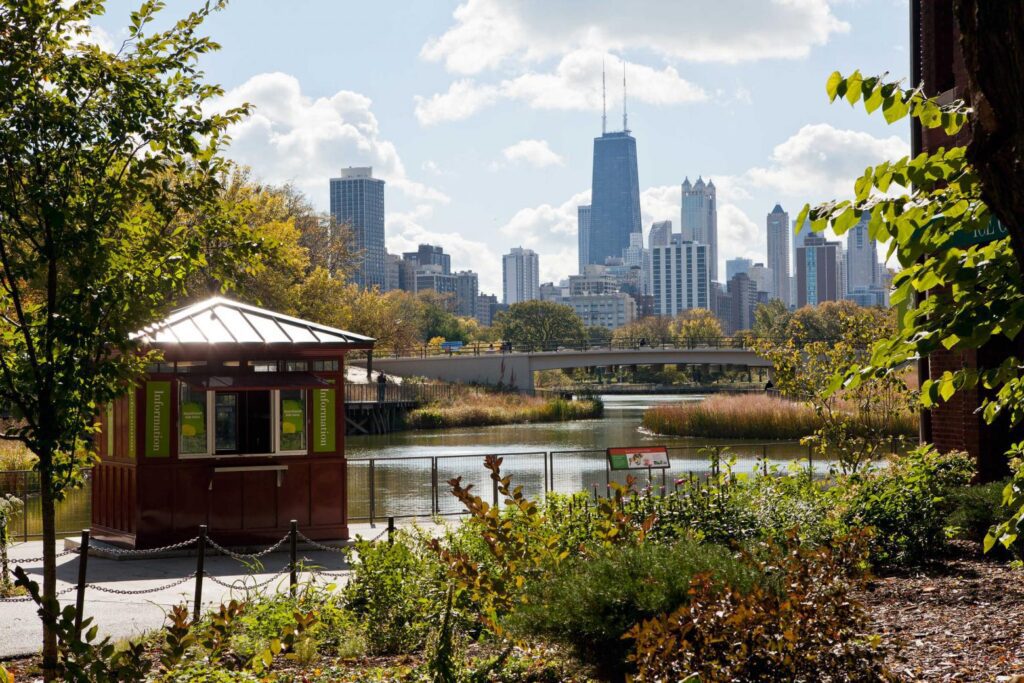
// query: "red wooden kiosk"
[[240, 427]]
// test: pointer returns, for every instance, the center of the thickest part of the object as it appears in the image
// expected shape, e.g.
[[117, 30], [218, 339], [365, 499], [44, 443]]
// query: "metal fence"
[[483, 348], [407, 487], [73, 512]]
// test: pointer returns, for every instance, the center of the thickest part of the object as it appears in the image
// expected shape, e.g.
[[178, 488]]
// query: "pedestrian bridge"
[[492, 366]]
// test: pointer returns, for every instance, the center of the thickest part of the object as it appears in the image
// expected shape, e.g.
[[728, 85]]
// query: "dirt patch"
[[961, 620]]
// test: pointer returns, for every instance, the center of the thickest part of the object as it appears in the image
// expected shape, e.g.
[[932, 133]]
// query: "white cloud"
[[291, 137], [488, 34], [574, 84], [550, 230], [535, 153], [820, 162]]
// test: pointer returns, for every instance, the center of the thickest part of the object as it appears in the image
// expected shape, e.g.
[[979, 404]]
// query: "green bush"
[[976, 509], [589, 603], [905, 504], [394, 592], [811, 631]]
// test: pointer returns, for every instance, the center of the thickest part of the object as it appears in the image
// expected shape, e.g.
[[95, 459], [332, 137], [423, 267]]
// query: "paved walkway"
[[120, 615]]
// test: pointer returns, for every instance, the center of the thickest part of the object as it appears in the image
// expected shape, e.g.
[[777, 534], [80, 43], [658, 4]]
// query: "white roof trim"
[[220, 320]]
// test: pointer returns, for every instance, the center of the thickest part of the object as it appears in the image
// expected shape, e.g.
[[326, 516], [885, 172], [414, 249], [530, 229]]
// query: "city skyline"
[[486, 144]]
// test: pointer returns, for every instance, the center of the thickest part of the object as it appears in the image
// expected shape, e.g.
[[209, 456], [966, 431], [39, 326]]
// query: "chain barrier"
[[23, 560], [242, 557], [28, 598], [240, 584], [141, 591], [321, 546], [121, 552]]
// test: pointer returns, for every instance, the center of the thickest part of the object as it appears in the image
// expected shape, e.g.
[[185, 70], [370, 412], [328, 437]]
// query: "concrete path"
[[120, 615]]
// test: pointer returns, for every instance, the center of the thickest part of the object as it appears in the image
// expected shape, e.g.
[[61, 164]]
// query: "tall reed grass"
[[481, 408], [749, 416], [15, 456]]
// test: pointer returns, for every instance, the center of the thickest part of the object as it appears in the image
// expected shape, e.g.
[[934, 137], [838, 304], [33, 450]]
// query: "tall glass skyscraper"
[[583, 235], [357, 200], [777, 223], [615, 196]]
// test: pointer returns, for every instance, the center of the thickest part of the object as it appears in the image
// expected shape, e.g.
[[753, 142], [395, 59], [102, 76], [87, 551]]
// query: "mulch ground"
[[961, 620]]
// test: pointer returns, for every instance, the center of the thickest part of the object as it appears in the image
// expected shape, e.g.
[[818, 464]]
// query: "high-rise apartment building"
[[761, 276], [392, 272], [699, 218], [357, 200], [818, 271], [614, 196], [862, 266], [661, 234], [583, 235], [742, 300], [430, 255], [520, 271], [734, 266], [467, 288], [778, 254], [679, 277], [610, 311]]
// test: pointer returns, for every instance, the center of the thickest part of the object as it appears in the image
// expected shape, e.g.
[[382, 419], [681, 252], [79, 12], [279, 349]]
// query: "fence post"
[[293, 541], [545, 473], [24, 502], [434, 507], [810, 460], [373, 496], [391, 531], [83, 560], [494, 491], [764, 459], [200, 561]]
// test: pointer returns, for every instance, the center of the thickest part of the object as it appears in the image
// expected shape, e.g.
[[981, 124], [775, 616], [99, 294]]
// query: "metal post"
[[391, 531], [293, 563], [434, 507], [764, 459], [200, 560], [83, 560], [810, 460], [24, 502], [373, 496], [545, 457], [494, 491]]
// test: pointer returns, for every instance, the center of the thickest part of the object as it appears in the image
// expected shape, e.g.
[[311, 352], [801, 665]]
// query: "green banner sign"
[[158, 420], [109, 427], [192, 420], [133, 417], [323, 421]]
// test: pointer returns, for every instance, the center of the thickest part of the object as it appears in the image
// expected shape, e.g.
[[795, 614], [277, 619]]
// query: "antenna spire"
[[604, 102], [625, 126]]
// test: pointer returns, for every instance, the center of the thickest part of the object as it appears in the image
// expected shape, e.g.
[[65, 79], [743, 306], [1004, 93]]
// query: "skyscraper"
[[661, 234], [467, 289], [735, 266], [614, 190], [861, 256], [778, 254], [357, 200], [520, 271], [679, 277], [583, 234], [699, 219], [818, 271]]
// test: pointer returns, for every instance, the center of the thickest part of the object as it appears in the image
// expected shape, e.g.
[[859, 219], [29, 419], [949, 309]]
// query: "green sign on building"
[[323, 421], [158, 420]]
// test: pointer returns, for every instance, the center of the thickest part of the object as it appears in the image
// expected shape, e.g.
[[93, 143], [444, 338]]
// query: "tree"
[[696, 326], [932, 207], [540, 325], [653, 328], [105, 156]]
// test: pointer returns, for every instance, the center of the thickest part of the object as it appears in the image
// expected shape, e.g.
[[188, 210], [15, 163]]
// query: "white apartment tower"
[[679, 277], [520, 272]]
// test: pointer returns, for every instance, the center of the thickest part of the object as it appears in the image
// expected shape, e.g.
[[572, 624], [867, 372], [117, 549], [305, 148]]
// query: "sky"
[[480, 115]]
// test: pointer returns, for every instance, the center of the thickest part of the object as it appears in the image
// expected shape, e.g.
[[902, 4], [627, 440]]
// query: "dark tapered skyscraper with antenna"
[[615, 189]]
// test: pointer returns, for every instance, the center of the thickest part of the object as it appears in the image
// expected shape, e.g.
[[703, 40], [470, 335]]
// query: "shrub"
[[974, 510], [811, 631], [905, 504], [588, 603], [392, 592]]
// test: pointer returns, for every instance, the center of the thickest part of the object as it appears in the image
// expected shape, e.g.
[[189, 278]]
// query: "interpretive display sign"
[[638, 458]]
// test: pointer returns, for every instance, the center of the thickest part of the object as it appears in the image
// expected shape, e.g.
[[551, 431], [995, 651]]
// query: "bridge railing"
[[496, 348], [399, 393]]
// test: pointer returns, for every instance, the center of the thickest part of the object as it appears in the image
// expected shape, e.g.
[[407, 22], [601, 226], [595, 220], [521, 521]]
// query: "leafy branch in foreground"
[[960, 287]]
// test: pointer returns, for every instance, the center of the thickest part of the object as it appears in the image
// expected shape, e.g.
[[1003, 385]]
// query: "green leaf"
[[832, 85]]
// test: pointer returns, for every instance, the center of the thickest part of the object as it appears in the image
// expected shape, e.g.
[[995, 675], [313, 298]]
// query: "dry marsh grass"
[[481, 408], [747, 416]]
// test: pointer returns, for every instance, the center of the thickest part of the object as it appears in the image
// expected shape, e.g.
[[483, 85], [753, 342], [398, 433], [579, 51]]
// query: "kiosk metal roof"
[[219, 320]]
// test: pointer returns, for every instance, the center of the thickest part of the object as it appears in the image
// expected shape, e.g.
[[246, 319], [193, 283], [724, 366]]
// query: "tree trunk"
[[50, 606], [992, 42]]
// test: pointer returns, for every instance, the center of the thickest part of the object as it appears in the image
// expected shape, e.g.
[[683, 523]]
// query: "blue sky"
[[481, 114]]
